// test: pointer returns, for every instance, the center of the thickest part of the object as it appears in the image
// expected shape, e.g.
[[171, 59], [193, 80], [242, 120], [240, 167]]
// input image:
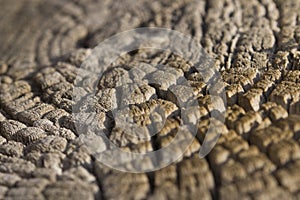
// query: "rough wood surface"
[[256, 44]]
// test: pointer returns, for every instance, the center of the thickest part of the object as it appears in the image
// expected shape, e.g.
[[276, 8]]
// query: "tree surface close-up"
[[46, 56]]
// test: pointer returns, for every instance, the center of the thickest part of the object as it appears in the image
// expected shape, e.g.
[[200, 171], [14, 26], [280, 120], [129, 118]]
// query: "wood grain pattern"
[[256, 45]]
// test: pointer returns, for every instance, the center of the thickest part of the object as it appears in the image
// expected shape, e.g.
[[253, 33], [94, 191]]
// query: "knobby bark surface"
[[256, 45]]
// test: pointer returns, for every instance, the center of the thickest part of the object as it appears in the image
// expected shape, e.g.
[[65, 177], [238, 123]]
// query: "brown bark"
[[256, 44]]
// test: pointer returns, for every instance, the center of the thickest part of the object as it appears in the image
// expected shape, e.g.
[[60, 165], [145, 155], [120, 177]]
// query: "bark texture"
[[256, 44]]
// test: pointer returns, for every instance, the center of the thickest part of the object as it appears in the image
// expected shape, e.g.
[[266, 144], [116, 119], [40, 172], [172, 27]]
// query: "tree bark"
[[256, 46]]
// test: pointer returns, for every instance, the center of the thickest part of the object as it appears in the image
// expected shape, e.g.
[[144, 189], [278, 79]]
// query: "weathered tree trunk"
[[256, 45]]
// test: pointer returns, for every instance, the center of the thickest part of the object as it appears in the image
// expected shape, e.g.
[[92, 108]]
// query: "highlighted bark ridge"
[[158, 91]]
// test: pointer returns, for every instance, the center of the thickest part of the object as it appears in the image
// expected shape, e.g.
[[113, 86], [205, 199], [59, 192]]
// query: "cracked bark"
[[256, 44]]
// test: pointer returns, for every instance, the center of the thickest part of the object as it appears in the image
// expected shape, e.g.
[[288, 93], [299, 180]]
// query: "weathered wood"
[[256, 47]]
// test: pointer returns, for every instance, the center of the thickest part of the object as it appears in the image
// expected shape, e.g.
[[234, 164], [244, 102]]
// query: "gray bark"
[[256, 44]]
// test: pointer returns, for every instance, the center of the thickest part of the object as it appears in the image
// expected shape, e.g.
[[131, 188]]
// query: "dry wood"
[[256, 45]]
